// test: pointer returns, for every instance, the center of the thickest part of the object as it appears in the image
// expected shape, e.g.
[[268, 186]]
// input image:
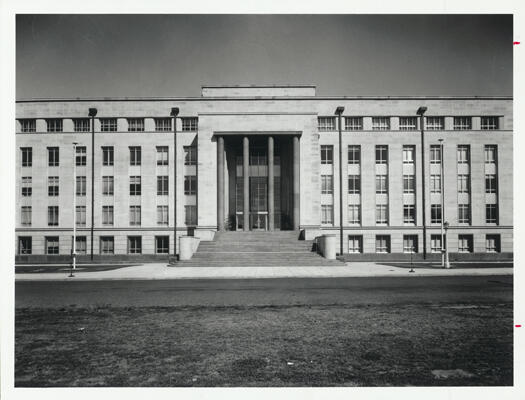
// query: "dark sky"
[[173, 55]]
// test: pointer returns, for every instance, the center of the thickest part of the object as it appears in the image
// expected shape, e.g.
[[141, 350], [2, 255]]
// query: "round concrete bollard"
[[329, 246], [185, 247]]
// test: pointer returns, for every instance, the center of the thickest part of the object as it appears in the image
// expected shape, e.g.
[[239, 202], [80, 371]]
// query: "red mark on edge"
[[516, 42], [518, 326]]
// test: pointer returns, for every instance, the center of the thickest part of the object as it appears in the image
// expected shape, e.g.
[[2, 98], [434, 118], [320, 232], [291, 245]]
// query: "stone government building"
[[226, 181]]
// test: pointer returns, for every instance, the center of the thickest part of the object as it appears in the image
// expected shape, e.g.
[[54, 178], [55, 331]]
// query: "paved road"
[[248, 292]]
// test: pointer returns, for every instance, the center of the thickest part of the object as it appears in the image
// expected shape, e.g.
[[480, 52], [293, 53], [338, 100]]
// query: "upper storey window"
[[380, 123], [353, 123], [28, 125], [54, 125], [163, 124], [135, 124], [108, 124], [81, 124], [462, 123], [189, 124], [489, 123], [435, 123], [326, 123], [407, 123]]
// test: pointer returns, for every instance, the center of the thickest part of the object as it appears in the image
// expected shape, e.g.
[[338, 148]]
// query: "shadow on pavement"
[[437, 265], [39, 269]]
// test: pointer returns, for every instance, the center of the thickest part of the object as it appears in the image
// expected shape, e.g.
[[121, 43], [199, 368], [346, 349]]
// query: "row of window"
[[189, 124], [326, 124]]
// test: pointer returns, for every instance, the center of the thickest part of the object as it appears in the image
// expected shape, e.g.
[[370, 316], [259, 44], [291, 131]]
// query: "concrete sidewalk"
[[162, 271]]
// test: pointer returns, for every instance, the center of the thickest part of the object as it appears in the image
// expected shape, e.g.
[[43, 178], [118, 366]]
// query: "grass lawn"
[[265, 346]]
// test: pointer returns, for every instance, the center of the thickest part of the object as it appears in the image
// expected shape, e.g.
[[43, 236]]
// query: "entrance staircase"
[[257, 249]]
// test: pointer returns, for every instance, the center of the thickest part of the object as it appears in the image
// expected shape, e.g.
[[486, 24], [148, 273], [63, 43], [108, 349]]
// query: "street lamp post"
[[421, 112], [174, 113], [92, 113], [442, 189], [447, 263], [339, 111], [74, 245]]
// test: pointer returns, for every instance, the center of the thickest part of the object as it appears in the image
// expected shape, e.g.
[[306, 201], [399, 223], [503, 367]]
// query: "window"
[[53, 156], [381, 184], [464, 213], [134, 215], [27, 125], [326, 123], [409, 243], [327, 154], [107, 215], [435, 123], [435, 154], [52, 216], [81, 186], [162, 185], [81, 216], [190, 185], [463, 183], [327, 184], [380, 123], [162, 155], [81, 124], [408, 183], [489, 123], [27, 156], [462, 123], [134, 244], [354, 214], [108, 124], [408, 154], [435, 183], [81, 245], [162, 215], [381, 214], [107, 185], [491, 184], [327, 214], [435, 213], [382, 244], [354, 154], [190, 215], [52, 186], [353, 123], [107, 155], [381, 154], [491, 154], [355, 244], [189, 124], [163, 124], [465, 243], [162, 244], [54, 125], [27, 189], [409, 214], [25, 245], [190, 155], [492, 244], [135, 186], [354, 184], [135, 124], [80, 157], [25, 216], [407, 123], [463, 154], [107, 245], [52, 246], [135, 155], [435, 244], [491, 213]]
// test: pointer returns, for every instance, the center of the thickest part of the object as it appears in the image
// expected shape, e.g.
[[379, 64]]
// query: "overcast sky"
[[173, 55]]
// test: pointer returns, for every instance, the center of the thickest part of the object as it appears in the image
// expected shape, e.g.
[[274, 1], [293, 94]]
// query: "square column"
[[220, 183], [270, 185], [246, 181], [296, 183]]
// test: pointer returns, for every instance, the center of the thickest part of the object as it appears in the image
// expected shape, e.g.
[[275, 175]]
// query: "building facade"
[[264, 158]]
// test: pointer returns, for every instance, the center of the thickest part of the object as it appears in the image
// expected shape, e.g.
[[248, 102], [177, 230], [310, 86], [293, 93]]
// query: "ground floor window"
[[134, 244], [25, 244], [107, 245], [409, 243], [465, 243], [355, 244], [382, 244], [492, 244], [81, 245], [435, 243], [162, 244], [52, 245]]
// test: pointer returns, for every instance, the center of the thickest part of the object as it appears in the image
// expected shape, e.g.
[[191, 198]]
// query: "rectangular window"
[[107, 185], [80, 189], [190, 215], [27, 188], [25, 216], [491, 154], [327, 154], [435, 213], [135, 187], [408, 123], [53, 156], [27, 156], [355, 243], [162, 244], [327, 184], [162, 155], [162, 185], [327, 214], [80, 156], [435, 244], [464, 213], [134, 215], [435, 154], [381, 184], [190, 155], [435, 123], [382, 244], [80, 217], [52, 186], [134, 245], [492, 244], [52, 216], [381, 123], [54, 125], [354, 214], [163, 124], [409, 214], [108, 124], [81, 124], [354, 154], [464, 183], [52, 245], [435, 183], [353, 123], [462, 123], [135, 124], [491, 184], [25, 245], [326, 124], [107, 215], [189, 124], [408, 183], [162, 215], [463, 154], [107, 245], [491, 213], [135, 155], [81, 245], [408, 154], [354, 184], [409, 243], [107, 155], [465, 243], [489, 123], [190, 185], [27, 125], [381, 214], [382, 154]]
